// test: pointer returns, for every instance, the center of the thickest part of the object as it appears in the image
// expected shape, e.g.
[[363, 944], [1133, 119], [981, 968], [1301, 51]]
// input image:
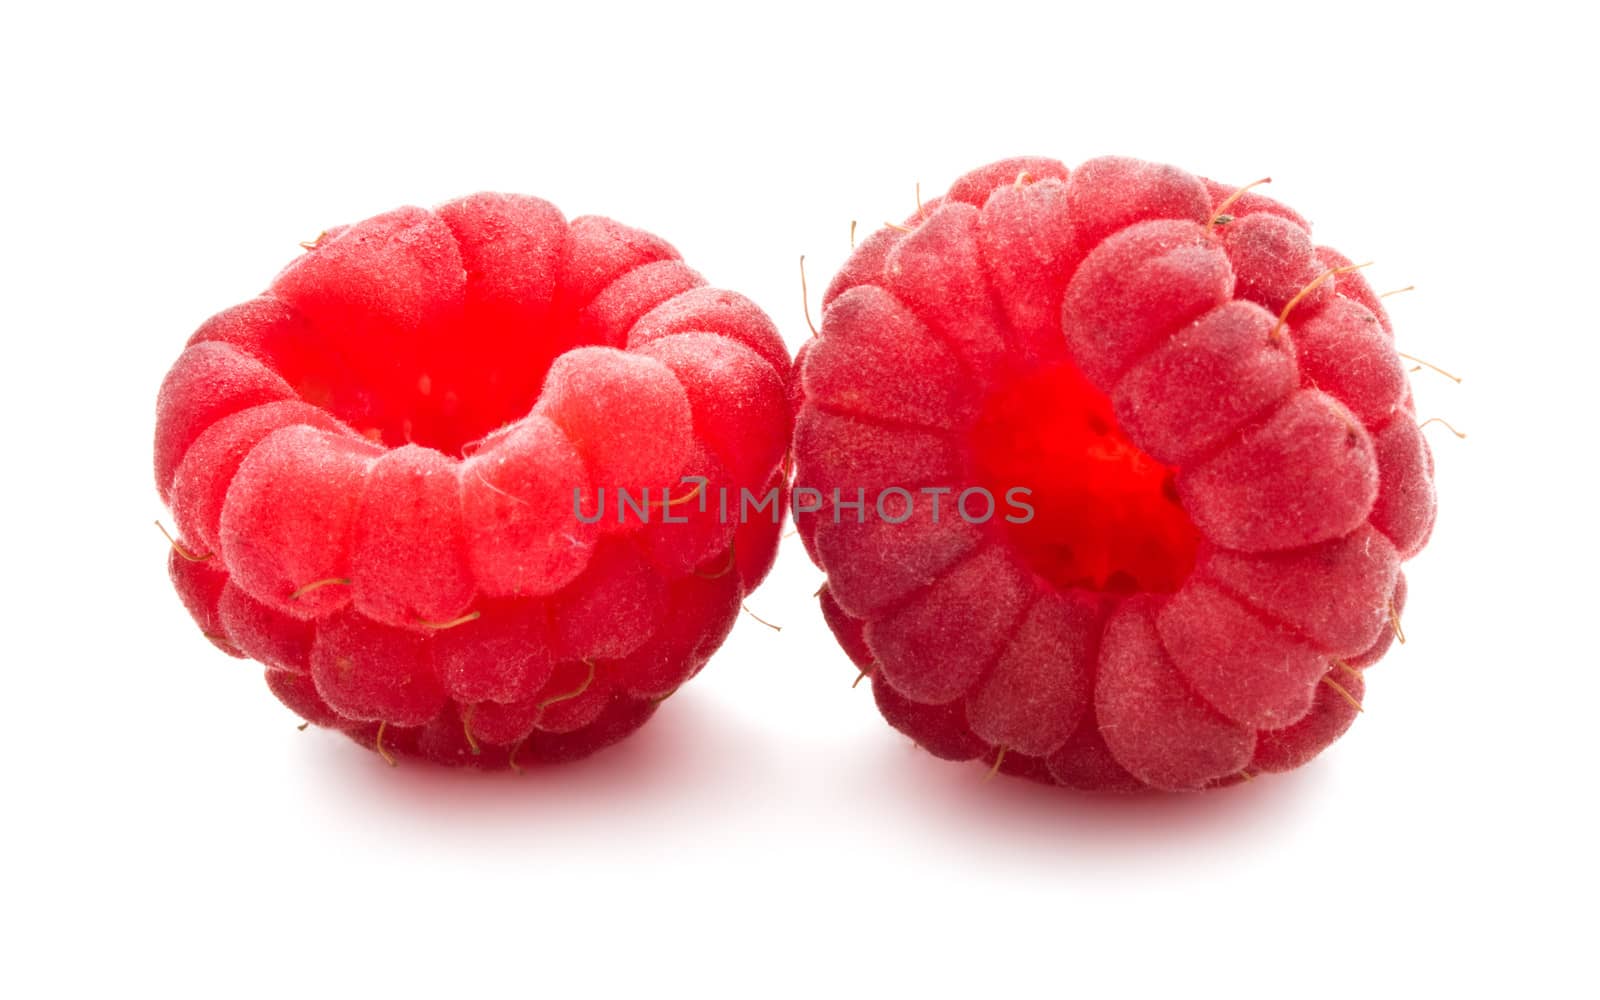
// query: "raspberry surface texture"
[[1221, 456], [372, 469]]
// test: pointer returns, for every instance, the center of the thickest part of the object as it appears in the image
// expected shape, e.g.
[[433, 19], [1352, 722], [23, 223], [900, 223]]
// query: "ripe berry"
[[1223, 461], [372, 468]]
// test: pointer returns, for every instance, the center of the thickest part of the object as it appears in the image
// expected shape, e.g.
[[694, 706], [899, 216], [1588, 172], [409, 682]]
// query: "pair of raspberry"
[[475, 483]]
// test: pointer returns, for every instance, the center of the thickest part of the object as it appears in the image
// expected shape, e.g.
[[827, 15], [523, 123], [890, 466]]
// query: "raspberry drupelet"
[[372, 469], [1224, 465]]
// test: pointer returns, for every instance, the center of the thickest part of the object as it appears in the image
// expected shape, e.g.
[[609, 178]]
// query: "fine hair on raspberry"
[[375, 470], [1220, 452]]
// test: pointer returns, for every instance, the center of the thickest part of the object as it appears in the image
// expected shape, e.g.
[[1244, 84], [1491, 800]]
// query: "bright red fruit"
[[1222, 457], [372, 469]]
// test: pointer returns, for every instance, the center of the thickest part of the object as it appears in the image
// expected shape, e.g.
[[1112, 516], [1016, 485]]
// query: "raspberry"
[[1223, 464], [372, 469]]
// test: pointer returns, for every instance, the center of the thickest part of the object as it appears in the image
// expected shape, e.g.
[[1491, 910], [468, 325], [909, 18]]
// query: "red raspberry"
[[1223, 458], [372, 469]]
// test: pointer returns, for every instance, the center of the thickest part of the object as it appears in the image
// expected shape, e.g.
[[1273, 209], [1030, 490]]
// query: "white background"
[[167, 829]]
